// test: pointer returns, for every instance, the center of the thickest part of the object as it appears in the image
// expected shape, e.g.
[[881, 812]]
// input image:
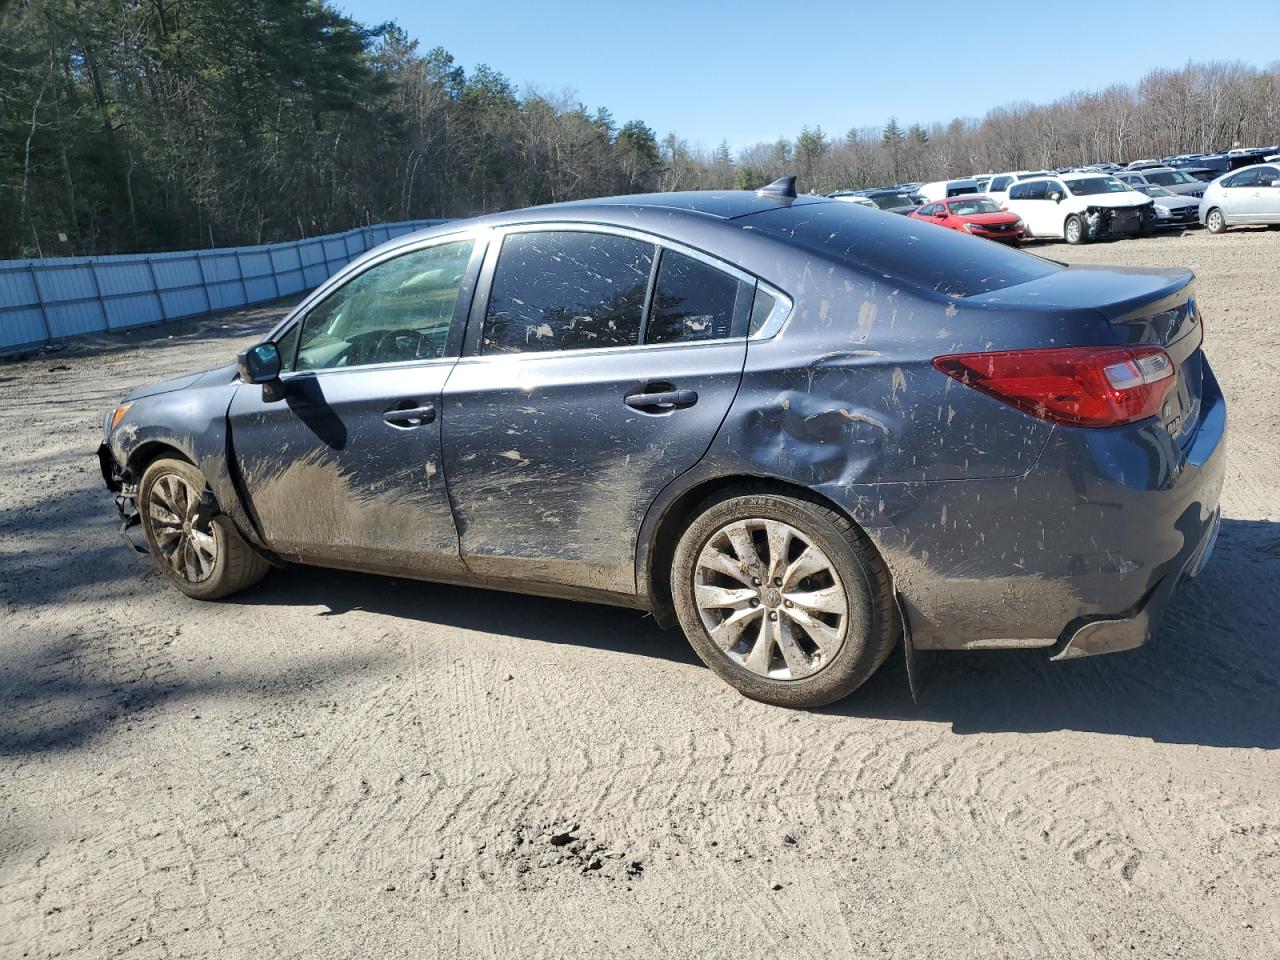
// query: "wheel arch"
[[148, 452], [670, 515]]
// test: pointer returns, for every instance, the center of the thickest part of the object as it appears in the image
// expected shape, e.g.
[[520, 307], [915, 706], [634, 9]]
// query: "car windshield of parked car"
[[897, 249], [1168, 177], [967, 208], [1088, 186], [891, 201], [1151, 190], [396, 311]]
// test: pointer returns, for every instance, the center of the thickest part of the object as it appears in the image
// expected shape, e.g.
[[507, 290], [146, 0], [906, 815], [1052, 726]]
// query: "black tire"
[[871, 626], [1215, 221], [1074, 232], [234, 566]]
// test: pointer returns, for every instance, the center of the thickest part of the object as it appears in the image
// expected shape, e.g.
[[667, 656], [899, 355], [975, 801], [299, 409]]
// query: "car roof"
[[722, 204]]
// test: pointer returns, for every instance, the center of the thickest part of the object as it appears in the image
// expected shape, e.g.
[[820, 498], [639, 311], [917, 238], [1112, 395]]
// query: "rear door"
[[341, 459], [1238, 196], [1029, 200], [598, 367], [1266, 196]]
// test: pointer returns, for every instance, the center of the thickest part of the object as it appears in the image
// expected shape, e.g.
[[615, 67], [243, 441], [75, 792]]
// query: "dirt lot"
[[341, 766]]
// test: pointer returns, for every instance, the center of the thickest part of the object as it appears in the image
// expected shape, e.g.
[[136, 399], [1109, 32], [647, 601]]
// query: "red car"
[[975, 214]]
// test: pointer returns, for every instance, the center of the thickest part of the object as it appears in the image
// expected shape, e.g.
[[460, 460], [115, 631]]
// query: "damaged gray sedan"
[[801, 430]]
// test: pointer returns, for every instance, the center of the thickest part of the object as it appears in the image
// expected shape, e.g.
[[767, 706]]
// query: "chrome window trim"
[[392, 365], [501, 233], [776, 320], [526, 355], [778, 316], [341, 276]]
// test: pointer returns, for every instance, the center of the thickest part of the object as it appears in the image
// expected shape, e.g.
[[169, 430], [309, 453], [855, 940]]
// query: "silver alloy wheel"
[[770, 599], [173, 507], [1214, 221], [1074, 230]]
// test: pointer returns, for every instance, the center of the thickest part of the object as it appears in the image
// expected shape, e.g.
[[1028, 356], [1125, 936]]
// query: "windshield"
[[887, 201], [967, 208], [1166, 177], [1092, 185], [1151, 190]]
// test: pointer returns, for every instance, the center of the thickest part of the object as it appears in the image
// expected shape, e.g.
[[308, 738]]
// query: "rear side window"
[[1001, 183], [1030, 190], [691, 301], [567, 290]]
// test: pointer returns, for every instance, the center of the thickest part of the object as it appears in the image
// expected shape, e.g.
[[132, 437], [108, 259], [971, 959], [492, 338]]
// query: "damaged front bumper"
[[120, 483], [1101, 222]]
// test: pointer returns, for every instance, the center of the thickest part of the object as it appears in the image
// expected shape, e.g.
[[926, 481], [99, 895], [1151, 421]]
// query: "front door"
[[597, 370], [341, 460]]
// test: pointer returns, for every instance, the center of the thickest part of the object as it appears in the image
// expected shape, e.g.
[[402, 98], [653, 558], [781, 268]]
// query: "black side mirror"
[[260, 364]]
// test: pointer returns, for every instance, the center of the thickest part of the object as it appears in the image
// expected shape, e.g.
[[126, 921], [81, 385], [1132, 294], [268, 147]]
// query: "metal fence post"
[[44, 311]]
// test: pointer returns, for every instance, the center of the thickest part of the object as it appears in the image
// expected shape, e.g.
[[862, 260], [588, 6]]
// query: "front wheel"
[[784, 599], [1074, 230], [203, 555], [1215, 221]]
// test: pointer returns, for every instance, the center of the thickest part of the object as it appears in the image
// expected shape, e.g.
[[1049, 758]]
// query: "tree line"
[[131, 125]]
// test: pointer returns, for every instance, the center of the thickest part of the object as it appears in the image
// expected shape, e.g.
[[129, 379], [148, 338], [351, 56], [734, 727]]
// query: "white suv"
[[1079, 207]]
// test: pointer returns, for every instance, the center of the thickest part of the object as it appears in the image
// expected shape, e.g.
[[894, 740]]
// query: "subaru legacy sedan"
[[801, 430]]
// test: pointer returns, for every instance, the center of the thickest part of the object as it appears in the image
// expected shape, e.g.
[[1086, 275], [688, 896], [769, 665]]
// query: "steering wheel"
[[396, 345]]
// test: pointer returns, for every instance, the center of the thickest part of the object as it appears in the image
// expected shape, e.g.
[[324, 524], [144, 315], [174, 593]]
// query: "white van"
[[941, 189]]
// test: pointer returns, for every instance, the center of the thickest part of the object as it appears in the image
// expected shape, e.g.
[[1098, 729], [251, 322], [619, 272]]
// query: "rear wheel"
[[203, 556], [1074, 230], [1215, 221], [785, 599]]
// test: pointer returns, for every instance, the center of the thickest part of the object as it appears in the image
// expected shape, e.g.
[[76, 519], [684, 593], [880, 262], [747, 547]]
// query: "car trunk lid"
[[1150, 306]]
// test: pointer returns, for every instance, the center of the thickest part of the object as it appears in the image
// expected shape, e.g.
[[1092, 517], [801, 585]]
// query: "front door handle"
[[410, 416], [661, 401]]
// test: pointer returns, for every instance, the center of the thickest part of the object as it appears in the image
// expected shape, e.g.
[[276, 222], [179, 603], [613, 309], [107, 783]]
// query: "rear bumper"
[[1080, 556]]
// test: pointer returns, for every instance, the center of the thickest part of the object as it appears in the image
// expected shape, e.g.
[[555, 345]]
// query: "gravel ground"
[[335, 765]]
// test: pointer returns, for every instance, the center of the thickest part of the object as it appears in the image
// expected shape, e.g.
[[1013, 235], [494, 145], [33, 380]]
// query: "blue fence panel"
[[44, 300]]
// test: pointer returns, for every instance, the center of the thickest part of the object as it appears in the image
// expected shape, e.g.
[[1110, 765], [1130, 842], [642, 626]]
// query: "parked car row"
[[1089, 203]]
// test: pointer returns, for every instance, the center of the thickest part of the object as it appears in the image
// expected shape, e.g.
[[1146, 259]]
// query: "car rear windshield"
[[900, 249], [1166, 177], [888, 201]]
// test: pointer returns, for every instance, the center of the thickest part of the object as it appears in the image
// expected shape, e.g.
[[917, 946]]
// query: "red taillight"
[[1077, 386]]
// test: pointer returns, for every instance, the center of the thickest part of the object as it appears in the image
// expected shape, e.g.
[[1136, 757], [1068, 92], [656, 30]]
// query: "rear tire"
[[1074, 231], [1215, 222], [785, 599], [205, 559]]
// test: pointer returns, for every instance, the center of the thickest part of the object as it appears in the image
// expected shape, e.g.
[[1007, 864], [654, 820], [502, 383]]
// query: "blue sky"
[[750, 71]]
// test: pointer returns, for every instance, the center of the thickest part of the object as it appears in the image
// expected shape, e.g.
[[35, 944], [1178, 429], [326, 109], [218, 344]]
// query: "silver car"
[[1175, 181], [1246, 196]]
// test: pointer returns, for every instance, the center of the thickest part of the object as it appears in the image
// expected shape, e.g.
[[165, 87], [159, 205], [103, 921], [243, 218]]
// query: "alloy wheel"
[[771, 599], [173, 508]]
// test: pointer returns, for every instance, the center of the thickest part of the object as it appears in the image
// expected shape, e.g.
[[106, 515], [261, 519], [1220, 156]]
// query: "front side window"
[[1030, 190], [396, 311], [691, 301], [567, 290]]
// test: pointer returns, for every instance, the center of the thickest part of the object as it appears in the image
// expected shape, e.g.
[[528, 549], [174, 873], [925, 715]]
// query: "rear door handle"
[[661, 401], [410, 416]]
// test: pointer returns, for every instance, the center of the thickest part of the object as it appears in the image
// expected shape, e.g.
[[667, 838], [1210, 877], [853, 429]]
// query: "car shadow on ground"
[[1209, 678]]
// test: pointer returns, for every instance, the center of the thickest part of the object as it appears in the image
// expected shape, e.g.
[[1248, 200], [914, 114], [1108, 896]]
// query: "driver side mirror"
[[260, 363], [1275, 183], [1055, 196], [941, 212]]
